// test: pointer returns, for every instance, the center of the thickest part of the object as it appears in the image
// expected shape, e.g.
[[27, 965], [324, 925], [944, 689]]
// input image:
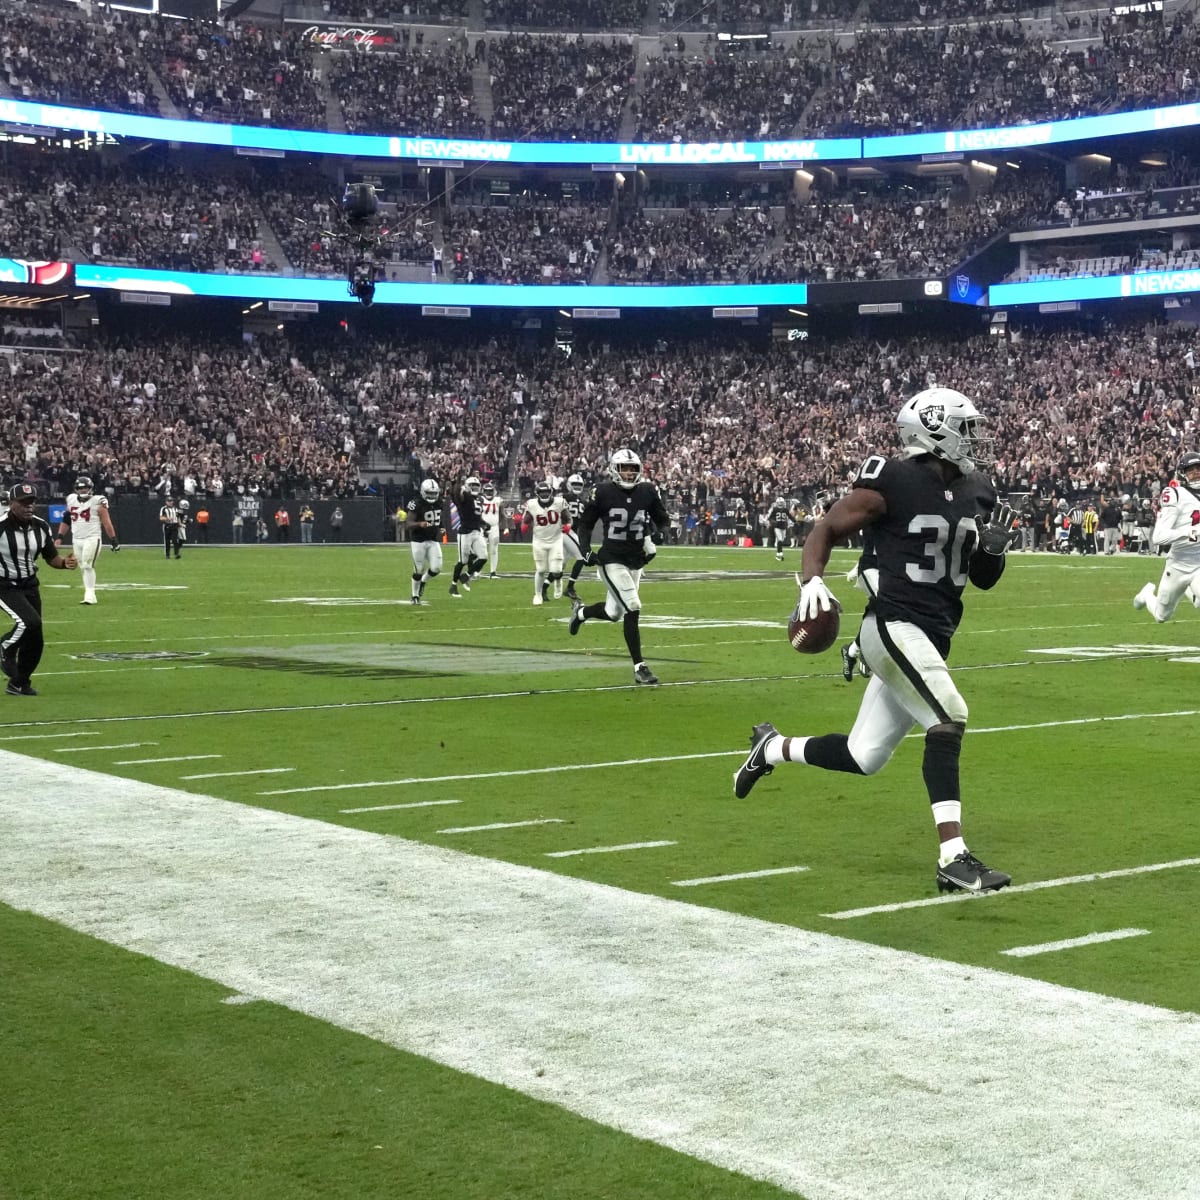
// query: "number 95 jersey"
[[925, 540]]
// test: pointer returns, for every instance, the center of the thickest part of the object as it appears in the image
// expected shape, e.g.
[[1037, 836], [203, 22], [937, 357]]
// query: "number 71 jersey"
[[925, 541]]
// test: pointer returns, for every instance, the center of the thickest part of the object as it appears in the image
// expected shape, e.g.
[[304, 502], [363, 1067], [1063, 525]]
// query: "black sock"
[[457, 571], [831, 752], [595, 612], [633, 637], [940, 765]]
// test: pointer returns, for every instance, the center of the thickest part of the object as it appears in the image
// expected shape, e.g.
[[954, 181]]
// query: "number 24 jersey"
[[925, 541], [627, 516]]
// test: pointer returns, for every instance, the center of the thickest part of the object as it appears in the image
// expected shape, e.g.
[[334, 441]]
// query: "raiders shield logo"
[[932, 416], [962, 285]]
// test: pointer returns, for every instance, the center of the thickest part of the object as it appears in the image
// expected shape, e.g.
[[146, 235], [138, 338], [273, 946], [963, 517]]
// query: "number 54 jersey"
[[925, 541]]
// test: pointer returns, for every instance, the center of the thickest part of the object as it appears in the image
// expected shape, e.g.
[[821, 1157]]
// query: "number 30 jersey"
[[627, 516], [924, 542]]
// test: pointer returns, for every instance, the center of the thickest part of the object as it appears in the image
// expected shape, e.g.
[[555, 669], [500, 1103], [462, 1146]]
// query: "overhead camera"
[[360, 203], [362, 282]]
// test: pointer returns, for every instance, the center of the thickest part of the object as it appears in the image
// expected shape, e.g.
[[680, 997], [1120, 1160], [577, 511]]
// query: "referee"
[[23, 537], [171, 519]]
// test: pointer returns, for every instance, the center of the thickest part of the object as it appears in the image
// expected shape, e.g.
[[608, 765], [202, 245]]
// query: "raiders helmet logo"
[[932, 416]]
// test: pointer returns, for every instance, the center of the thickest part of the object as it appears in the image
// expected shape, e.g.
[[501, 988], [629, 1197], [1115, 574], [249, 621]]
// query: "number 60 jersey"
[[925, 541]]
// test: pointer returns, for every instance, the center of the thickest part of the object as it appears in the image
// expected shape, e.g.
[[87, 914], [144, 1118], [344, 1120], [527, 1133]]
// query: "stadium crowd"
[[869, 80], [1076, 410]]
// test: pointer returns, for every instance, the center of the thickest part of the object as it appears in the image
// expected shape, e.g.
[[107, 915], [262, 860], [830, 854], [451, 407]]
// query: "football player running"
[[573, 494], [545, 515], [425, 536], [632, 516], [86, 516], [472, 544], [1177, 527], [932, 519], [780, 519], [491, 525]]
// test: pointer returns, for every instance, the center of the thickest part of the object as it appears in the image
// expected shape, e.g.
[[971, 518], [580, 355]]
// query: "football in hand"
[[817, 633]]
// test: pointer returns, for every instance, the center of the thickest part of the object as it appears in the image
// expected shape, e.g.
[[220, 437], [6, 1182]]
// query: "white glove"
[[814, 597], [649, 549]]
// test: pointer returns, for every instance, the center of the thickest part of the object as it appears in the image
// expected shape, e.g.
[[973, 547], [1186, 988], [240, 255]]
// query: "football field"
[[305, 892]]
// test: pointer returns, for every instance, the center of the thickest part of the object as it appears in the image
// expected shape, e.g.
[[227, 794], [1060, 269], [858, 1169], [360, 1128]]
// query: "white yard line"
[[737, 875], [609, 849], [237, 774], [117, 746], [1091, 939], [137, 762], [503, 825], [41, 737], [1036, 886], [394, 807], [807, 1060]]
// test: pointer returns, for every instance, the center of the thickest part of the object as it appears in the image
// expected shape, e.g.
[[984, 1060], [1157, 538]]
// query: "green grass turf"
[[142, 1072]]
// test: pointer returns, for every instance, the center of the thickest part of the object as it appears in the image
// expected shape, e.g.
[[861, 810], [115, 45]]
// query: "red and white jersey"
[[547, 520], [491, 512], [84, 516], [1178, 525]]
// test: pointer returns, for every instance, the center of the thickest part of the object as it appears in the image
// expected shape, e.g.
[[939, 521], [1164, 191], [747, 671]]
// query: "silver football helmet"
[[625, 468], [945, 423], [472, 486], [431, 491], [575, 485], [544, 492], [83, 487]]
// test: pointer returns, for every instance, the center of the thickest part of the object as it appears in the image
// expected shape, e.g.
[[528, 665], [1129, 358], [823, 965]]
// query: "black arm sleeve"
[[658, 513], [582, 529], [985, 569]]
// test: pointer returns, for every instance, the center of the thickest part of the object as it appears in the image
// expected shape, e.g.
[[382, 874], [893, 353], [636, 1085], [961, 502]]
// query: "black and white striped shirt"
[[168, 514], [20, 546]]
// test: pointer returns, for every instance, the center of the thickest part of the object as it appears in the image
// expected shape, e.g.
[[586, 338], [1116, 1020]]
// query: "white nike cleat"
[[537, 599], [89, 598], [1144, 597]]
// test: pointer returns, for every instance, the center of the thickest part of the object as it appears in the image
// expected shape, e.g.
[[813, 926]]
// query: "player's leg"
[[21, 647], [87, 553], [493, 540], [541, 568], [554, 562], [574, 555], [420, 558], [623, 603], [1171, 588], [460, 568]]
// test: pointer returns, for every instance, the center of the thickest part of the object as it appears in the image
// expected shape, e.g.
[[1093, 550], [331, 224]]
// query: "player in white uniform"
[[545, 515], [87, 517], [1178, 526], [491, 526]]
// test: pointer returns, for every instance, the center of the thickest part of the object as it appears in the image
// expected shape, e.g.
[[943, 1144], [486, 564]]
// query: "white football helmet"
[[431, 491], [544, 492], [625, 468], [575, 485], [472, 485], [489, 491], [83, 487], [945, 423]]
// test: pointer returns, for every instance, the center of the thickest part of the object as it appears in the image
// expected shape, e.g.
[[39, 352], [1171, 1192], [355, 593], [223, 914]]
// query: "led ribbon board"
[[1106, 287], [279, 287]]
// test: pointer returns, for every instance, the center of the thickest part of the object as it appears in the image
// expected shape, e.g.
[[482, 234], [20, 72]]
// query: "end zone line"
[[1037, 886], [503, 825], [737, 875], [608, 849], [393, 807], [1090, 939]]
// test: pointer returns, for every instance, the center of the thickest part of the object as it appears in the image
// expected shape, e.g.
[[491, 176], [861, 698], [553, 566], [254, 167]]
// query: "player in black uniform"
[[425, 536], [780, 520], [472, 539], [573, 494], [933, 522], [632, 516]]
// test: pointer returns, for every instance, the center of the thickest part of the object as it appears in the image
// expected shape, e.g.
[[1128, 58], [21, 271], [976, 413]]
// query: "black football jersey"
[[924, 543], [626, 516], [780, 518], [470, 512], [421, 510]]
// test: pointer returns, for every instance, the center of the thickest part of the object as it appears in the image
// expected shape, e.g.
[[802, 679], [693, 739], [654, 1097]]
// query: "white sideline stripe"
[[378, 783], [137, 762], [393, 807], [1037, 886], [503, 825], [800, 1058], [1090, 939], [235, 774], [668, 758], [38, 737], [737, 875], [239, 998], [609, 849], [118, 746]]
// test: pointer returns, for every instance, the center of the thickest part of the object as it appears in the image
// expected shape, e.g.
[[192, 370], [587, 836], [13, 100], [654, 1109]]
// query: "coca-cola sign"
[[339, 35]]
